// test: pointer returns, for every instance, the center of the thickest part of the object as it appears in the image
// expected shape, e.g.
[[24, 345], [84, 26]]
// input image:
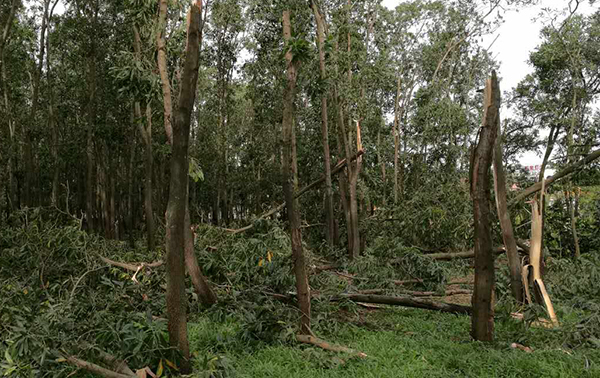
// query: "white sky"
[[516, 38]]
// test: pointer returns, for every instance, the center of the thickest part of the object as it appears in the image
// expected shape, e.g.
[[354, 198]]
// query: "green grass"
[[401, 343]]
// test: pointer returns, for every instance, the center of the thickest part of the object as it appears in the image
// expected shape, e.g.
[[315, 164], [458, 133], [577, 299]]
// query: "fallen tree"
[[338, 168], [406, 301], [461, 255], [307, 339], [564, 172]]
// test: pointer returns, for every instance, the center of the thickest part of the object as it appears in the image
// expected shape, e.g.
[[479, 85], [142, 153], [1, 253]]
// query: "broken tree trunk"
[[547, 182], [482, 320], [533, 272], [205, 293], [406, 302], [508, 235], [335, 170]]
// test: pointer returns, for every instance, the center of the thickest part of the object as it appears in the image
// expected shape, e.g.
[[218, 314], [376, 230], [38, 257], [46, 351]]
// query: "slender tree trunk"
[[162, 68], [396, 138], [329, 216], [13, 148], [28, 157], [178, 193], [482, 321], [146, 135], [130, 181], [91, 113], [508, 236], [570, 186], [293, 212]]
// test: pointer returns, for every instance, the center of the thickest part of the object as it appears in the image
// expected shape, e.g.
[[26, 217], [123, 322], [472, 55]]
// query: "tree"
[[329, 215], [178, 193], [482, 321], [288, 160]]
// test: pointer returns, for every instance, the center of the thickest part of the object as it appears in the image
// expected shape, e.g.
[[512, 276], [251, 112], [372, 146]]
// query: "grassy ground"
[[401, 343]]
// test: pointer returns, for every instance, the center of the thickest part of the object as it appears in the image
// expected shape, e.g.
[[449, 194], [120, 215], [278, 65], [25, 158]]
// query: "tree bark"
[[508, 235], [293, 212], [178, 193], [329, 215], [482, 321]]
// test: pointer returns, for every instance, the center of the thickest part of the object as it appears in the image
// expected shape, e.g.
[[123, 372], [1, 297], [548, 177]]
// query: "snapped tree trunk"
[[482, 320], [508, 235], [206, 295], [293, 212], [178, 193]]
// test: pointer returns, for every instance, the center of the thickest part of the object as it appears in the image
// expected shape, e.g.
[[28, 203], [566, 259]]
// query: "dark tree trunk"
[[178, 192], [293, 212], [482, 321]]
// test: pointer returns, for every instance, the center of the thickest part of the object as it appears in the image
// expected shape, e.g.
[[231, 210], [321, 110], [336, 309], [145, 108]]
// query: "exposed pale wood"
[[541, 288], [307, 339]]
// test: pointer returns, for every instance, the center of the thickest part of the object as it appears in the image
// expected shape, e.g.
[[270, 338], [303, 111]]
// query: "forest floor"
[[404, 343]]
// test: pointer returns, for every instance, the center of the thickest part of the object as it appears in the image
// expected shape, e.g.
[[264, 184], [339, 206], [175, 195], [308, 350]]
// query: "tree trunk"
[[395, 133], [28, 157], [178, 193], [508, 235], [146, 135], [91, 113], [206, 296], [293, 212], [329, 216], [482, 321], [162, 68]]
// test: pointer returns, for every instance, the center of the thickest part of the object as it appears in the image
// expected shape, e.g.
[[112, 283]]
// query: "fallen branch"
[[338, 167], [406, 302], [565, 172], [448, 293], [113, 362], [461, 255], [327, 346], [96, 369], [132, 267]]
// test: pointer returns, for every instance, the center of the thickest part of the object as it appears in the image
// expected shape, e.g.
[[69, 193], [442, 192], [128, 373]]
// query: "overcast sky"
[[514, 40]]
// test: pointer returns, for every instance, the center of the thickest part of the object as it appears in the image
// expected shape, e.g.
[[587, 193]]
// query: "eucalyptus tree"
[[559, 95]]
